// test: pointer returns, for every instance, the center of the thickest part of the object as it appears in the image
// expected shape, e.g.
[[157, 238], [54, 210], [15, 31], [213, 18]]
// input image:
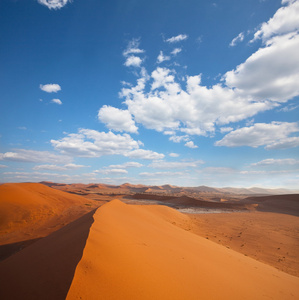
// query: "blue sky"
[[182, 92]]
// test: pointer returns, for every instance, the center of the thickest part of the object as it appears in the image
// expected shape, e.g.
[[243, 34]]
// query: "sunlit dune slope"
[[141, 252], [31, 210]]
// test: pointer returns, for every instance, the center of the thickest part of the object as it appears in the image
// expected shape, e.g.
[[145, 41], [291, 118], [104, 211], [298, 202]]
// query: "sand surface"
[[45, 269], [31, 210], [271, 238], [142, 252]]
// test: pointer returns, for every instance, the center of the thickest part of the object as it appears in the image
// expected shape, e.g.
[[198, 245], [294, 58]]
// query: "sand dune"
[[31, 210], [45, 269], [141, 252], [271, 238]]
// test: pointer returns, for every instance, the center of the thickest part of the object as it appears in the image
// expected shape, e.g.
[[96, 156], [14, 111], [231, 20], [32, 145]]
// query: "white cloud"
[[144, 154], [130, 164], [178, 139], [22, 128], [54, 4], [58, 168], [177, 38], [92, 143], [133, 48], [113, 171], [237, 39], [289, 108], [161, 174], [57, 101], [117, 119], [285, 20], [50, 88], [268, 78], [174, 155], [23, 155], [175, 164], [273, 136], [218, 171], [276, 162], [271, 73], [285, 143], [161, 57], [133, 61], [193, 110], [190, 144], [3, 166], [226, 129], [176, 51]]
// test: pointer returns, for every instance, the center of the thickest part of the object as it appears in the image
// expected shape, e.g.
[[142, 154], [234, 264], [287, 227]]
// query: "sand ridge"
[[139, 252]]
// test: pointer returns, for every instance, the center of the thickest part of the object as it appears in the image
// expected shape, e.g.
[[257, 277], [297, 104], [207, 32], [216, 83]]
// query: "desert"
[[129, 242]]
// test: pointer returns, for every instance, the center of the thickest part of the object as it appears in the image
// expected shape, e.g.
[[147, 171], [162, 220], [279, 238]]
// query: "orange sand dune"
[[45, 269], [32, 210], [140, 252]]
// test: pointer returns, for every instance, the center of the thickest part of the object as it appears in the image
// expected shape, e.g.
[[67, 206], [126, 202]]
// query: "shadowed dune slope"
[[32, 210], [45, 269], [139, 252]]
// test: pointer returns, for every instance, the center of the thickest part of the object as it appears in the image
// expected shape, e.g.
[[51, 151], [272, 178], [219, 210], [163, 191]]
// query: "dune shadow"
[[45, 269], [10, 249]]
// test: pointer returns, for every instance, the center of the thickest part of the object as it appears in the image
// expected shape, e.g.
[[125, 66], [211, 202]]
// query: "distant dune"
[[139, 252], [32, 210]]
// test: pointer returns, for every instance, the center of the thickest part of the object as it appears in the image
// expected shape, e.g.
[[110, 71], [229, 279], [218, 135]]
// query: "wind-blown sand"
[[139, 252]]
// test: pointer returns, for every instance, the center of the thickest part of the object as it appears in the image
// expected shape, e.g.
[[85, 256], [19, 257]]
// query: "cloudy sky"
[[185, 92]]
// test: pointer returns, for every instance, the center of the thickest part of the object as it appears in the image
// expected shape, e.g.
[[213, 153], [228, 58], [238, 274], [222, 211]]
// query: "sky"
[[181, 92]]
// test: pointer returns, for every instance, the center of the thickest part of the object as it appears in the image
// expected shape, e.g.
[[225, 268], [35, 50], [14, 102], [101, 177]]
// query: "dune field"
[[123, 251]]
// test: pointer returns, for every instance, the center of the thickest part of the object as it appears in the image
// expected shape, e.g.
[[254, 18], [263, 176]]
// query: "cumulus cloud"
[[274, 135], [33, 156], [190, 144], [54, 4], [178, 139], [178, 38], [117, 119], [50, 88], [144, 154], [133, 61], [237, 39], [161, 57], [195, 109], [268, 78], [271, 73], [57, 101], [130, 54], [284, 21], [92, 143]]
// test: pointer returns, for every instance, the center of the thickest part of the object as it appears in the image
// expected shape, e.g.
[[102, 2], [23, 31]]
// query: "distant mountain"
[[128, 188]]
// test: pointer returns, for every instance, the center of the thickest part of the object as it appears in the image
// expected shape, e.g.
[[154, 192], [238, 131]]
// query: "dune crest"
[[139, 252]]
